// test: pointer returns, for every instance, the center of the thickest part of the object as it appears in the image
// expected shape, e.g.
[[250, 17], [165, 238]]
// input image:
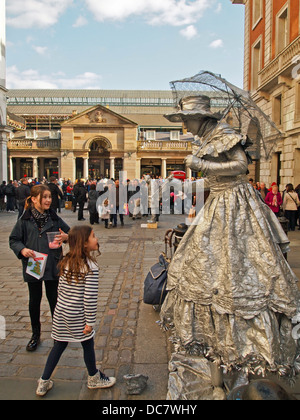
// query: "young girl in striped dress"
[[76, 309]]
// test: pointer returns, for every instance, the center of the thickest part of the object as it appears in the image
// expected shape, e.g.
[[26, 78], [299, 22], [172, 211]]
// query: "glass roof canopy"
[[90, 98]]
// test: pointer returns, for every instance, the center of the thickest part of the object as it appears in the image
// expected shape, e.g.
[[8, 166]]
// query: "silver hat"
[[193, 107]]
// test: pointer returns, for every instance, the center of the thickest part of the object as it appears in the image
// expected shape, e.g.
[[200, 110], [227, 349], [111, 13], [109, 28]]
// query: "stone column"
[[74, 169], [164, 168], [138, 168], [3, 154], [11, 169], [35, 172], [86, 168], [112, 167]]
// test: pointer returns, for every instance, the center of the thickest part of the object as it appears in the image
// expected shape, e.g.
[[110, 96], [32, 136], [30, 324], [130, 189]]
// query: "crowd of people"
[[79, 195], [14, 193], [285, 204]]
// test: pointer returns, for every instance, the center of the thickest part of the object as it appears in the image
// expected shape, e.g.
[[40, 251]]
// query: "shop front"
[[51, 168], [33, 167], [151, 167], [175, 165]]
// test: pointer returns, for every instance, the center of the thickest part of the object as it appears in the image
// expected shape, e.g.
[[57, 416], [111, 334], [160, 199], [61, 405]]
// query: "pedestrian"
[[2, 196], [80, 193], [274, 199], [29, 236], [263, 190], [22, 193], [290, 206], [55, 193], [92, 200], [10, 192], [74, 200], [76, 309], [297, 190], [69, 192], [115, 205], [103, 207]]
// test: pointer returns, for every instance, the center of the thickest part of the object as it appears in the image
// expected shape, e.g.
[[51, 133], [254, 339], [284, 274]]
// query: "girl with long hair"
[[30, 236], [75, 314]]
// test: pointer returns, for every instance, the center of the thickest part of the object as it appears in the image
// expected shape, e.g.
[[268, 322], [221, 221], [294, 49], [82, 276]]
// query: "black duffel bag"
[[155, 283]]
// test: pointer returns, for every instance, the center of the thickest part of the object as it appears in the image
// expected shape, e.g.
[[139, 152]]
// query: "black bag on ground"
[[155, 283]]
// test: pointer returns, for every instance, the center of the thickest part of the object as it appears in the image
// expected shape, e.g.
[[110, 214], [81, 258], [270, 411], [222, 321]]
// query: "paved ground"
[[128, 340]]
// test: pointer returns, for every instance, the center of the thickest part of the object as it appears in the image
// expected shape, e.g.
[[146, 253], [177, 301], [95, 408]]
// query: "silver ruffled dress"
[[232, 294]]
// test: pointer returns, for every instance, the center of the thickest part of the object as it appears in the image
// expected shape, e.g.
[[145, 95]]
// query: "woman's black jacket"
[[26, 234]]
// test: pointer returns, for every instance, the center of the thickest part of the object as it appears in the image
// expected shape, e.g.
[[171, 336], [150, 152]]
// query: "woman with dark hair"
[[291, 204], [29, 236]]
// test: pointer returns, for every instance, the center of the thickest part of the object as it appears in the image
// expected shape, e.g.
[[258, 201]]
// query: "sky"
[[121, 44]]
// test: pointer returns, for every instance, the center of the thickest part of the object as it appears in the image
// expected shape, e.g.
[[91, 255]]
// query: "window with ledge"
[[257, 11], [175, 135], [277, 110], [282, 30], [297, 102], [256, 63], [150, 135]]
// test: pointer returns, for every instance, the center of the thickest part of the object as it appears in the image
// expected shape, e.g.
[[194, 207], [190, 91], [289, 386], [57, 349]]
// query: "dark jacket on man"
[[22, 193], [10, 190], [80, 192], [55, 193]]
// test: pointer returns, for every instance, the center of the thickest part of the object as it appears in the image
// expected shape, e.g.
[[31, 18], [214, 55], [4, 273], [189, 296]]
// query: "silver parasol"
[[236, 107]]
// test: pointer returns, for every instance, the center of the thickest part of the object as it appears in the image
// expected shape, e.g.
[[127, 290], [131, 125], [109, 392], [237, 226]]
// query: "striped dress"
[[76, 307]]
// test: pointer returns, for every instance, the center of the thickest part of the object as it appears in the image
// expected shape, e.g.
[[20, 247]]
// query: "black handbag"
[[155, 284]]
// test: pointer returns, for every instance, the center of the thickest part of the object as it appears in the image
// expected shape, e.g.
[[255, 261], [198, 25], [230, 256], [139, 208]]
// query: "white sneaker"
[[43, 387], [100, 381]]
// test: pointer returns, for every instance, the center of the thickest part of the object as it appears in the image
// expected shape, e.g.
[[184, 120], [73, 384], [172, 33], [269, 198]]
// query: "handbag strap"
[[293, 199]]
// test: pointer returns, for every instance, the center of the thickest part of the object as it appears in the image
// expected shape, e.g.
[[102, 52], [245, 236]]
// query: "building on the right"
[[272, 74]]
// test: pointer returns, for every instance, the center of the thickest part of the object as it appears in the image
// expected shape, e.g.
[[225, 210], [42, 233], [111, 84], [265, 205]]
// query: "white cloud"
[[81, 21], [45, 13], [35, 13], [155, 12], [218, 43], [219, 8], [32, 79], [189, 32], [40, 50]]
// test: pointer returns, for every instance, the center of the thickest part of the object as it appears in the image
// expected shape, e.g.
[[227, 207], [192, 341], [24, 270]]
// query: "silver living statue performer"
[[232, 294]]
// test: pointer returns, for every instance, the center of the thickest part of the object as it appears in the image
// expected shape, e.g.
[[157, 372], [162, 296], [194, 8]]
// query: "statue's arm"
[[237, 164]]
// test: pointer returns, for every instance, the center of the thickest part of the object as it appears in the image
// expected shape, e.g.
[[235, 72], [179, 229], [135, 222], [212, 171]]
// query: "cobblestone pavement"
[[127, 339]]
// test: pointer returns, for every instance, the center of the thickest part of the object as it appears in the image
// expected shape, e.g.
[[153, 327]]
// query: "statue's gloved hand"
[[193, 162]]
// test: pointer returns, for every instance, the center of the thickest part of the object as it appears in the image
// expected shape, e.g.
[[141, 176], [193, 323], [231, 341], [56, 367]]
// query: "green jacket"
[[26, 234]]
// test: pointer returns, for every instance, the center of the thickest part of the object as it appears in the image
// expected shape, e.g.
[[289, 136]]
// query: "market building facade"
[[272, 74], [93, 134]]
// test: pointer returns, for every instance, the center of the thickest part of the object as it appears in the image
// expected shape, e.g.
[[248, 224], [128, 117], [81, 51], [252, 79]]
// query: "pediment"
[[99, 115]]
